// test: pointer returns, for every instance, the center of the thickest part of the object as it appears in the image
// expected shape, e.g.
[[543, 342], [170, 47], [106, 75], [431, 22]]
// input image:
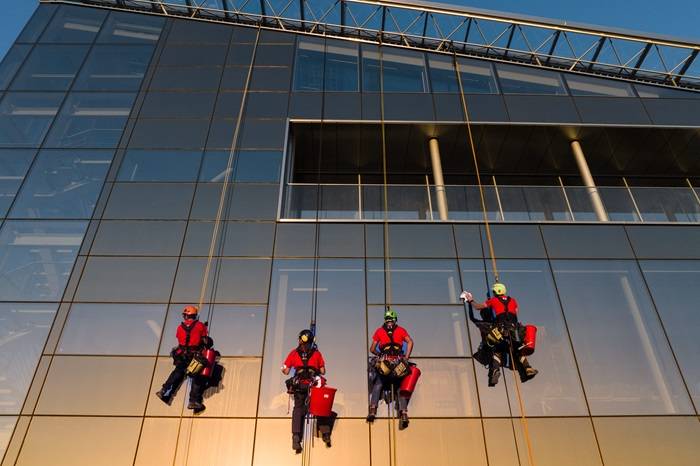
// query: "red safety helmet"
[[190, 312]]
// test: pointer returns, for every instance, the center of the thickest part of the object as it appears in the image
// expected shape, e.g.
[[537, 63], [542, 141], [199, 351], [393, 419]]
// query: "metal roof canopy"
[[443, 28]]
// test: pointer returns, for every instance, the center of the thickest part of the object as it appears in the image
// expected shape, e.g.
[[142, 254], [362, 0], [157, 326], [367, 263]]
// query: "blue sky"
[[678, 18]]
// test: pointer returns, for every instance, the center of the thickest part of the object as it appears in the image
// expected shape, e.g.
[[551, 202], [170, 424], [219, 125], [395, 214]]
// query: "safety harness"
[[393, 348]]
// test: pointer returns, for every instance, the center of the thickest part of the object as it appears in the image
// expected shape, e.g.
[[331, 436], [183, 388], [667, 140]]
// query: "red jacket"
[[502, 304], [196, 331], [381, 336]]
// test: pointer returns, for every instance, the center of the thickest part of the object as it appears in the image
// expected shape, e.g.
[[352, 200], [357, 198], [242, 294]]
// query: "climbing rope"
[[217, 238], [489, 239]]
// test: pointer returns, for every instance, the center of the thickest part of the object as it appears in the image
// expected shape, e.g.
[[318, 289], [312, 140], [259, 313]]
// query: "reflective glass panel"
[[623, 355], [50, 68], [11, 63], [13, 167], [370, 68], [681, 321], [36, 258], [477, 77], [308, 71], [522, 80], [74, 24], [63, 184], [585, 85], [149, 201], [140, 279], [238, 330], [7, 426], [104, 386], [667, 204], [341, 71], [424, 324], [258, 166], [443, 76], [413, 281], [127, 28], [114, 68], [243, 281], [178, 105], [91, 120], [404, 71], [215, 165], [110, 440], [25, 117], [126, 329], [37, 23], [172, 165], [138, 238], [23, 331]]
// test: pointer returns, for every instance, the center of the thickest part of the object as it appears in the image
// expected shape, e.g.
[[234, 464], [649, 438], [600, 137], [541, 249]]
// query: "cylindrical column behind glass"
[[587, 178], [437, 178]]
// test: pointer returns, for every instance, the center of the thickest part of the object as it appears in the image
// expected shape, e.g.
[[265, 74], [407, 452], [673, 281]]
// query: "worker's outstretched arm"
[[467, 297], [373, 347], [409, 346]]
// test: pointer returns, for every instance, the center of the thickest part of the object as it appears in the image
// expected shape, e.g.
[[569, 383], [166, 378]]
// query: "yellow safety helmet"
[[499, 289]]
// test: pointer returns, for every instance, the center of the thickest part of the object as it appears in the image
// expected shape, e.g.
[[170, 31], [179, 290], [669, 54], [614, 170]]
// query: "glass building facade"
[[115, 135]]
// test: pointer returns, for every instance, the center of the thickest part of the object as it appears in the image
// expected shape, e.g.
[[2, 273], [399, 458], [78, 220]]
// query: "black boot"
[[326, 436], [403, 420], [296, 443], [164, 395], [372, 414], [526, 371], [196, 406]]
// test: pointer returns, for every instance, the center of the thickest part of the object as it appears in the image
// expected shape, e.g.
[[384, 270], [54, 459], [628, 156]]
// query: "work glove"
[[466, 296]]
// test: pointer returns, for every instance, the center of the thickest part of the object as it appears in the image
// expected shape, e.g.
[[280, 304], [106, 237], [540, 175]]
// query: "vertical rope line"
[[215, 234], [489, 239]]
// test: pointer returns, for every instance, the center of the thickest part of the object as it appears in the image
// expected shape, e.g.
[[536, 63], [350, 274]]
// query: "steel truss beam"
[[441, 28]]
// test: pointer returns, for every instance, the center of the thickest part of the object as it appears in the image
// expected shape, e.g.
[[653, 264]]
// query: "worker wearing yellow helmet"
[[504, 314]]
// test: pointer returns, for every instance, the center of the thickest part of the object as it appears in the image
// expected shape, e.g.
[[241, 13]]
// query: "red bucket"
[[210, 355], [321, 401], [408, 384], [529, 340]]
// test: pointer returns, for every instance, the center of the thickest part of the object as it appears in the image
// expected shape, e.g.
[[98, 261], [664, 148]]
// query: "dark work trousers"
[[377, 389], [177, 376], [324, 424]]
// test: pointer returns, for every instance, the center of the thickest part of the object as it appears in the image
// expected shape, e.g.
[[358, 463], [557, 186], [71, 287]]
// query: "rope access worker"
[[390, 363], [308, 364], [192, 337], [504, 331]]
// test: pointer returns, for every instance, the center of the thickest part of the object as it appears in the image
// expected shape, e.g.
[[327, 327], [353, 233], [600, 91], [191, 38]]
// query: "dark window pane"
[[91, 120], [585, 85], [681, 321], [193, 32], [308, 68], [149, 201], [265, 105], [13, 167], [206, 200], [404, 71], [664, 92], [413, 281], [177, 105], [258, 166], [13, 60], [240, 54], [140, 279], [341, 72], [295, 240], [522, 80], [124, 329], [23, 333], [665, 242], [274, 54], [63, 184], [214, 165], [114, 68], [36, 258], [180, 79], [138, 238], [642, 377], [193, 55], [74, 24], [341, 240], [228, 105], [580, 241], [25, 117], [370, 68], [514, 241], [234, 78], [435, 241], [477, 77], [274, 78], [443, 75], [242, 239], [50, 68], [262, 134], [254, 202], [143, 165], [128, 28], [169, 134], [37, 23]]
